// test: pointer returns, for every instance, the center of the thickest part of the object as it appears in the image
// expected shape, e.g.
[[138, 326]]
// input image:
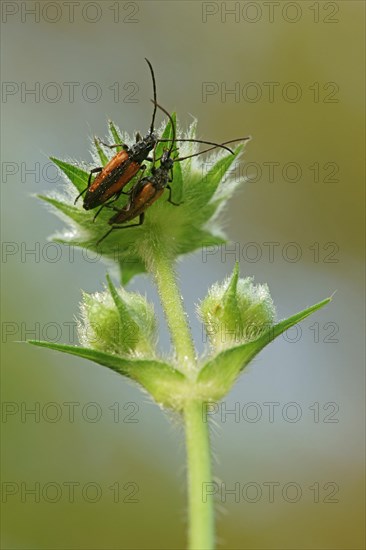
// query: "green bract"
[[202, 183], [118, 331]]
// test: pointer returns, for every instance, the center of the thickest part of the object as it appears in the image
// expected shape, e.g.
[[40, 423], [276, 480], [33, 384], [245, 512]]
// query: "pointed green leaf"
[[107, 360], [130, 269], [127, 322], [208, 184], [76, 175], [70, 211], [117, 138], [219, 374], [280, 327], [119, 303], [160, 379], [199, 240], [103, 157], [230, 303]]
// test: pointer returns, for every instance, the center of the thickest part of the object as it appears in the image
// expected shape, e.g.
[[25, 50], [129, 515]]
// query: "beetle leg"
[[141, 221], [170, 197], [104, 236], [94, 171], [98, 212], [123, 145], [103, 206], [108, 204]]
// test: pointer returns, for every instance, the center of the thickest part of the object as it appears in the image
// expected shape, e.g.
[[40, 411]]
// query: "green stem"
[[176, 317], [200, 505], [201, 510]]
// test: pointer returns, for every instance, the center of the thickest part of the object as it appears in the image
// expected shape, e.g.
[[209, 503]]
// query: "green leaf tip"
[[230, 295], [75, 174], [115, 134], [102, 156]]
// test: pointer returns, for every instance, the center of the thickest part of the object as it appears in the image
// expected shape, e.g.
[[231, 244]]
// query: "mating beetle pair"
[[148, 189], [108, 185]]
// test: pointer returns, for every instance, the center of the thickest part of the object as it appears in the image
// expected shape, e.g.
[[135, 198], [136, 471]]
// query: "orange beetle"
[[148, 189]]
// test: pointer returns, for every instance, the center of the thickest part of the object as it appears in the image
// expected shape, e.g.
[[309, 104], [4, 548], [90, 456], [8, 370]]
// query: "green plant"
[[117, 329]]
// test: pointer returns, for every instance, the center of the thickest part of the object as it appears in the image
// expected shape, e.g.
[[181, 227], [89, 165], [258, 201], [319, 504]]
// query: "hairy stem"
[[175, 314], [200, 506], [201, 510]]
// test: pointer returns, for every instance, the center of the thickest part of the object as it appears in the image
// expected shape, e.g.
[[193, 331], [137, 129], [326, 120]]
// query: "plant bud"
[[236, 311], [117, 322]]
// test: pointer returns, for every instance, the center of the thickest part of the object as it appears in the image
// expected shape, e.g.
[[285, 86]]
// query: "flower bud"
[[236, 311], [118, 322]]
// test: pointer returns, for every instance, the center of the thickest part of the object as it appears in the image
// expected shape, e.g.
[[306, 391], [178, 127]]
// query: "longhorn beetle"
[[120, 170], [148, 189], [122, 167]]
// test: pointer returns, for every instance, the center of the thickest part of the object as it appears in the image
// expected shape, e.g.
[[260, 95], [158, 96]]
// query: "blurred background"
[[105, 465]]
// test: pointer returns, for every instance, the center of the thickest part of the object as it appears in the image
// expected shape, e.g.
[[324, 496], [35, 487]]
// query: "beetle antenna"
[[212, 148], [201, 141], [173, 127], [154, 92], [222, 145], [215, 145]]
